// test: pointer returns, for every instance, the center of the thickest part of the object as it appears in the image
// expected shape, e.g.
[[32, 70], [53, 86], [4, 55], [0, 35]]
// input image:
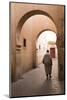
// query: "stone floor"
[[34, 83]]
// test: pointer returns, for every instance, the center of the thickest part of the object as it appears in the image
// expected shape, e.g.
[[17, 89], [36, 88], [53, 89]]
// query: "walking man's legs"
[[50, 75], [47, 76]]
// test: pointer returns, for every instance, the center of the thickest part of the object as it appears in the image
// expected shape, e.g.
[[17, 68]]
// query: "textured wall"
[[30, 30]]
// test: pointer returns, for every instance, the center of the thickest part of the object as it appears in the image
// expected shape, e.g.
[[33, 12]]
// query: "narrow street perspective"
[[37, 49], [34, 83]]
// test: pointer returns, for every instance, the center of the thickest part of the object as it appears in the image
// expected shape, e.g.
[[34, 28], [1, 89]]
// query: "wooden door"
[[52, 52]]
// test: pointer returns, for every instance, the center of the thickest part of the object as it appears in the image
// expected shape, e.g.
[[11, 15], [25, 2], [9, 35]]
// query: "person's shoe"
[[47, 77], [50, 76]]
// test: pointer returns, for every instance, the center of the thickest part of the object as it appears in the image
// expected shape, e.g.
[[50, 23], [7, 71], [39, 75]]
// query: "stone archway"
[[28, 15], [20, 26], [20, 15], [46, 18]]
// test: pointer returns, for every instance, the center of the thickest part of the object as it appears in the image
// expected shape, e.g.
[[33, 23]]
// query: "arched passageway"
[[47, 41], [28, 23], [29, 27], [27, 37], [29, 14]]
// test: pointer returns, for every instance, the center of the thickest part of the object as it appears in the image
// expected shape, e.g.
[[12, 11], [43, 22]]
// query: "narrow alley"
[[34, 83]]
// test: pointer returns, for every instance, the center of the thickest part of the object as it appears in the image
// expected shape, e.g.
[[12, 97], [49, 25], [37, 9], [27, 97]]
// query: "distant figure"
[[47, 61]]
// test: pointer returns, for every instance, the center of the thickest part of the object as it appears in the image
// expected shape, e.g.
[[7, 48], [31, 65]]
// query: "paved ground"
[[34, 83]]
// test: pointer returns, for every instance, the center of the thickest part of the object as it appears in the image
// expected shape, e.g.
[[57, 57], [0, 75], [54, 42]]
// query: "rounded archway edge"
[[29, 14], [44, 31]]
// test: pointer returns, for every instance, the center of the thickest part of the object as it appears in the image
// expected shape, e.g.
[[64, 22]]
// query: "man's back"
[[47, 59]]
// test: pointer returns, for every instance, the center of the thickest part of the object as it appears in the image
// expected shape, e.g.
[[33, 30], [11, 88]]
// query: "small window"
[[24, 42]]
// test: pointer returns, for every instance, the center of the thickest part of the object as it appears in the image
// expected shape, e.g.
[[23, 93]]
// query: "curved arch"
[[29, 14], [44, 31]]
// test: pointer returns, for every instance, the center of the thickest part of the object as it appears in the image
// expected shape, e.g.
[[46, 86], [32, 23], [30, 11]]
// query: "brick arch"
[[28, 15]]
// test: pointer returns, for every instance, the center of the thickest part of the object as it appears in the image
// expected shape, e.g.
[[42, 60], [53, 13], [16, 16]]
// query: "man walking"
[[47, 61]]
